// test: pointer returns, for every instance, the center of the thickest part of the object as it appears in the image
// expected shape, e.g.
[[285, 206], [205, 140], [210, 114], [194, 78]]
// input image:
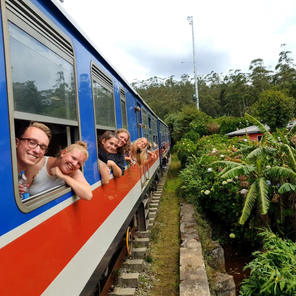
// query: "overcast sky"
[[143, 39]]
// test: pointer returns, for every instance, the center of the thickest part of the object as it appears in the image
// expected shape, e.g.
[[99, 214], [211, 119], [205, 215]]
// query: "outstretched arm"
[[104, 172], [77, 182], [117, 172]]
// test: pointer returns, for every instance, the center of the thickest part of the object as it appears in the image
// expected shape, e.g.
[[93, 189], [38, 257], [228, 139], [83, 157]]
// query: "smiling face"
[[110, 145], [71, 161], [142, 143], [27, 156], [123, 138]]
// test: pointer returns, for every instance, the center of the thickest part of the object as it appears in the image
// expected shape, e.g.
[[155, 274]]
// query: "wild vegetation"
[[246, 188]]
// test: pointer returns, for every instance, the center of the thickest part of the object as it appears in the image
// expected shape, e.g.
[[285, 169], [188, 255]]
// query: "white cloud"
[[145, 39]]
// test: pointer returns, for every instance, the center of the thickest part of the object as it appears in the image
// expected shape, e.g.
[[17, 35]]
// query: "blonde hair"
[[125, 149], [139, 155], [80, 145]]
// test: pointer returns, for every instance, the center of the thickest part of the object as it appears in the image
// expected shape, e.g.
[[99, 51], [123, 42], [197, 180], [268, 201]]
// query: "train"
[[54, 243]]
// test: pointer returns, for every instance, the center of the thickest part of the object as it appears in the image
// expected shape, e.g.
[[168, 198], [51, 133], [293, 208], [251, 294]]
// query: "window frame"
[[33, 22], [123, 99]]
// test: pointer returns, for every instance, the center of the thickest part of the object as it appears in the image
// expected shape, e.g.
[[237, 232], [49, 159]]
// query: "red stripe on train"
[[31, 262]]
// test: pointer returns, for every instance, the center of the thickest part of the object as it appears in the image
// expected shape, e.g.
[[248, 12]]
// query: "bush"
[[231, 124], [185, 149], [192, 135], [213, 128], [273, 270]]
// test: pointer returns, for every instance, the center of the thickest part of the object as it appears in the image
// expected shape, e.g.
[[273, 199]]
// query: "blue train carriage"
[[164, 143], [54, 243]]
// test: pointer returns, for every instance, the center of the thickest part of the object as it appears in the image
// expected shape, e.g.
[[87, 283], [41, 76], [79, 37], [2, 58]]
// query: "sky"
[[143, 39]]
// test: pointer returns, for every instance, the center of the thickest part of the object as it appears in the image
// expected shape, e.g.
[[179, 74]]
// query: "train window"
[[155, 138], [40, 62], [123, 108], [139, 117], [49, 92], [104, 107], [150, 130], [144, 124]]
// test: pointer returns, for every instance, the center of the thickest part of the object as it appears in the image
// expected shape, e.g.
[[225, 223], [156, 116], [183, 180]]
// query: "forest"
[[269, 95]]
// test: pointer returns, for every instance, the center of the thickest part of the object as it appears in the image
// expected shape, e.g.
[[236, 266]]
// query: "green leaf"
[[249, 203], [263, 195], [286, 188]]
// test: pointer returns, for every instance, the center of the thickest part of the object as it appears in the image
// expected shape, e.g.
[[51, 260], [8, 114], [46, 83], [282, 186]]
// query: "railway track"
[[124, 279]]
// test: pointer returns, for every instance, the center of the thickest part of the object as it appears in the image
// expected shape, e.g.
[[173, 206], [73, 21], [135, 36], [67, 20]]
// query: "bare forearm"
[[82, 190]]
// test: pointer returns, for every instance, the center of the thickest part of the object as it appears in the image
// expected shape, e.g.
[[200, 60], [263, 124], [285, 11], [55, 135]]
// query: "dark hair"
[[106, 136]]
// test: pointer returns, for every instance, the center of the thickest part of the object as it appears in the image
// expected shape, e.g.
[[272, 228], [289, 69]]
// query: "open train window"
[[123, 108], [41, 83]]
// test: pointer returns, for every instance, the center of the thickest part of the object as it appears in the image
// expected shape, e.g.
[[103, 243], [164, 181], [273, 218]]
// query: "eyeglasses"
[[33, 144]]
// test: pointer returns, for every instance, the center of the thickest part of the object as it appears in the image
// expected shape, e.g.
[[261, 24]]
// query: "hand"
[[21, 189], [56, 172], [110, 163], [127, 158]]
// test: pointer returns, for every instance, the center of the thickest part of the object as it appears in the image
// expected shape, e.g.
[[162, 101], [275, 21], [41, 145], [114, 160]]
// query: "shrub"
[[213, 128], [193, 136], [231, 124], [273, 270], [185, 149]]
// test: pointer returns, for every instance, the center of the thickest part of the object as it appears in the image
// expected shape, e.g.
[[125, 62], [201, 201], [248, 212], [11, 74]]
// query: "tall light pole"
[[190, 19]]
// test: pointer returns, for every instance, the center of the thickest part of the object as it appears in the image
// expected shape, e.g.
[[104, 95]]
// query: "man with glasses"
[[32, 145]]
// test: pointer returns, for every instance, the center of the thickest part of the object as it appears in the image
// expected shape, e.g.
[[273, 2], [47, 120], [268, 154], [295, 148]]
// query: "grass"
[[165, 245]]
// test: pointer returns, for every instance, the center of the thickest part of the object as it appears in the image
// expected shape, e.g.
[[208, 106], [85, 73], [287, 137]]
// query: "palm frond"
[[237, 171], [261, 151], [287, 187], [249, 203], [290, 151], [245, 149], [263, 129], [278, 171], [292, 130], [230, 164], [262, 195]]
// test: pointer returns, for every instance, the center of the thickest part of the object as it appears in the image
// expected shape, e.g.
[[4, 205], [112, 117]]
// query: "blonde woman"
[[65, 168], [140, 150]]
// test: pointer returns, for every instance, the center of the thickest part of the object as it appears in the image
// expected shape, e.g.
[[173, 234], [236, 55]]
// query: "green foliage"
[[192, 135], [230, 124], [274, 108], [185, 149], [273, 270], [189, 119], [213, 128]]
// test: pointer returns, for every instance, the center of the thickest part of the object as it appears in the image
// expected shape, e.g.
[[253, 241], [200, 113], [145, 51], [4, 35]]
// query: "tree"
[[285, 70], [260, 77], [274, 108]]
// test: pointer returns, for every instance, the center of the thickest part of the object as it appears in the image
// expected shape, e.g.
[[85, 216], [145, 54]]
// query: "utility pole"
[[190, 19]]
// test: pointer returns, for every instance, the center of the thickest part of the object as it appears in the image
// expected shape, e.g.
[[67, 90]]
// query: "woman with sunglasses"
[[65, 168]]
